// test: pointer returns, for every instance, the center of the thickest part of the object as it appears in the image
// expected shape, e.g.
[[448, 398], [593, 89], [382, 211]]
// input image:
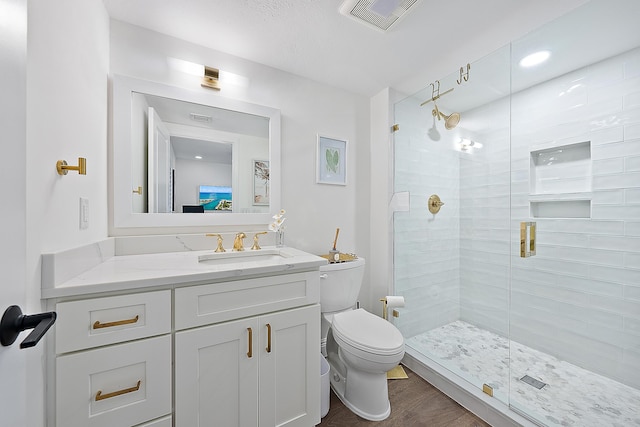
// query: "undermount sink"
[[262, 255]]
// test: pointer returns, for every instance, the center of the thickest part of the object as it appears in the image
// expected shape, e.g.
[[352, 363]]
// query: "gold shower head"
[[450, 121]]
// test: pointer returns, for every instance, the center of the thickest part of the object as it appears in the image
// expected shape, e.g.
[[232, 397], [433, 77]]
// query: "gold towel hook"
[[464, 76], [63, 168]]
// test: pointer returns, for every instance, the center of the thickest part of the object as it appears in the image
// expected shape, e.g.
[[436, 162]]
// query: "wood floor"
[[414, 402]]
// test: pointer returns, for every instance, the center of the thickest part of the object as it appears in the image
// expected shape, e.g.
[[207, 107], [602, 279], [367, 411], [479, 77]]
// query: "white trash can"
[[324, 386]]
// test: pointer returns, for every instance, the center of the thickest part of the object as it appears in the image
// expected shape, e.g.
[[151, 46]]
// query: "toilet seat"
[[367, 333]]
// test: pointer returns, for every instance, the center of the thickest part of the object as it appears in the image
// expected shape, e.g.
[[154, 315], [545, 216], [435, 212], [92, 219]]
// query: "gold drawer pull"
[[100, 396], [268, 338], [99, 325], [250, 352]]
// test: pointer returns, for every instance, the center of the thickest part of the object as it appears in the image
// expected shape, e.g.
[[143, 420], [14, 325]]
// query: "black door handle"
[[13, 322]]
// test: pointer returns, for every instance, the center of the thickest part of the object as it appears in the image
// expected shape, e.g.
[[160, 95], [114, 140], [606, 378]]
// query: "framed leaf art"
[[331, 161]]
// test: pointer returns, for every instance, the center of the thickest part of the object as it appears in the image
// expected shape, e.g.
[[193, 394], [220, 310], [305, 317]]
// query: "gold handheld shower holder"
[[435, 93]]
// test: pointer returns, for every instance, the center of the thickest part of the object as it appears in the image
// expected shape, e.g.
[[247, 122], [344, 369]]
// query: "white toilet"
[[360, 347]]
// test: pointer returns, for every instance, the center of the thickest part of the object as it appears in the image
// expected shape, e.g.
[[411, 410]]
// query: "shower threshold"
[[461, 357]]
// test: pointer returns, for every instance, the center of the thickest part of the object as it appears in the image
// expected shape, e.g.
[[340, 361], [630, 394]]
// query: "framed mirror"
[[190, 158]]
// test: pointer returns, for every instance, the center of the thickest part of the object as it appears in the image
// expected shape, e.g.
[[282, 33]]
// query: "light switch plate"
[[84, 213]]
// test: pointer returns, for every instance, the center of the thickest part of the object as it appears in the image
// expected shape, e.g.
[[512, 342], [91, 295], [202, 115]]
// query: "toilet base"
[[365, 394]]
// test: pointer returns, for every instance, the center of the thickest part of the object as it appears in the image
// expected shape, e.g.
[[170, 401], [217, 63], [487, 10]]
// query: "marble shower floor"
[[572, 397]]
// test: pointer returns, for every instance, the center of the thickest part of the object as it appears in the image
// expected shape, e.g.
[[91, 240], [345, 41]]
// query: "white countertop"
[[131, 272]]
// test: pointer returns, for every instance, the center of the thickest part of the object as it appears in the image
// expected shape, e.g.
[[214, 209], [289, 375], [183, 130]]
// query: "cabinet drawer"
[[164, 422], [219, 302], [101, 321], [125, 384]]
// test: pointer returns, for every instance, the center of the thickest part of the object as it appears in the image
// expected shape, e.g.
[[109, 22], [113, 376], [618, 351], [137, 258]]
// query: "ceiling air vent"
[[379, 14]]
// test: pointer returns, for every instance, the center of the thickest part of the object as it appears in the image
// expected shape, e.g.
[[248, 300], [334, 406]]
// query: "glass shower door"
[[575, 305], [451, 261]]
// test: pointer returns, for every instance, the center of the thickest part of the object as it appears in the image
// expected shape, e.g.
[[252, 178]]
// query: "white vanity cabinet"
[[261, 370], [230, 344], [113, 360]]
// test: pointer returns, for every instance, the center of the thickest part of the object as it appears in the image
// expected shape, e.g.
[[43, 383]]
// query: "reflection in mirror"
[[189, 146], [191, 152]]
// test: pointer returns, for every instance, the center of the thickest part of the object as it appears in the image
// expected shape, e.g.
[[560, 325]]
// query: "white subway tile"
[[615, 212], [632, 228], [632, 291], [616, 150], [616, 275], [632, 260], [632, 196], [591, 286], [615, 181], [632, 164], [629, 244], [608, 166], [632, 100], [631, 131], [606, 136], [608, 197]]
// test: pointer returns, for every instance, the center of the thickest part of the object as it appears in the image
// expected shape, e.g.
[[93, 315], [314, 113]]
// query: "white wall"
[[14, 363], [314, 211], [67, 67]]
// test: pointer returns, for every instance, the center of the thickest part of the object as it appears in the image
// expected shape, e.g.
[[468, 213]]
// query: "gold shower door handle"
[[250, 352], [527, 240], [268, 338]]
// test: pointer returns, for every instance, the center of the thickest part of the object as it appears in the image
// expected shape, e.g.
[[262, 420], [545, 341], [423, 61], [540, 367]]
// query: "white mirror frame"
[[120, 165]]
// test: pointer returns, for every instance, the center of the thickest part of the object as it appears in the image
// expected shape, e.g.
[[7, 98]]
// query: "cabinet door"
[[216, 375], [290, 368]]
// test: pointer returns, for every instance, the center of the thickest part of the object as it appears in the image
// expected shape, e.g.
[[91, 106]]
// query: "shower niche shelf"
[[560, 181]]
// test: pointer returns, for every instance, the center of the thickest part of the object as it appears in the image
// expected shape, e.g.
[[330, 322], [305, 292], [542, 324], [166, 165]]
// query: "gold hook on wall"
[[464, 76]]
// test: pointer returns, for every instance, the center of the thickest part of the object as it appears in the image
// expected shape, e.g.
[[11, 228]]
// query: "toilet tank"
[[340, 285]]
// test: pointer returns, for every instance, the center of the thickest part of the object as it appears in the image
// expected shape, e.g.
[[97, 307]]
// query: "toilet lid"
[[367, 332]]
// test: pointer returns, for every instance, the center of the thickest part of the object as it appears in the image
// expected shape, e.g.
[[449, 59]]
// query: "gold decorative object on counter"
[[341, 257]]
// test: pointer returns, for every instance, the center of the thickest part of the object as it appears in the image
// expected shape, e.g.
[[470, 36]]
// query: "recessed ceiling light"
[[198, 157], [535, 58]]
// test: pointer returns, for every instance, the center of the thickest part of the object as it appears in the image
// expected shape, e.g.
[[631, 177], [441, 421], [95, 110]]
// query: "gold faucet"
[[220, 248], [238, 243], [256, 245]]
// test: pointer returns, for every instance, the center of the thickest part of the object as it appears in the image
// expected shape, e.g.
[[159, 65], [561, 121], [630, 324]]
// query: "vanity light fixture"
[[535, 58], [63, 168], [210, 80]]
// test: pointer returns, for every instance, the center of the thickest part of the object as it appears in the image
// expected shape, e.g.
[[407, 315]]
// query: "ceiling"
[[312, 39]]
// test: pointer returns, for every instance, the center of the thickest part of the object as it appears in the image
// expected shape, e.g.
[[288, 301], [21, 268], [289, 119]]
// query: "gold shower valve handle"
[[434, 204]]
